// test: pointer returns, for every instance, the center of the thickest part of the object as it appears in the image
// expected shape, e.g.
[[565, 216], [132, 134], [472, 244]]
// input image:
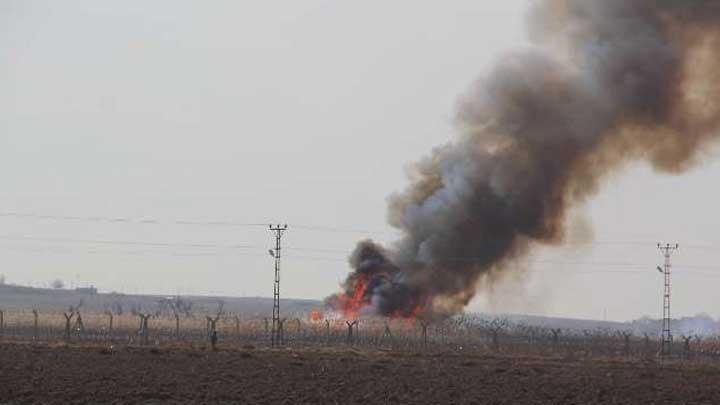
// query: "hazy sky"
[[303, 112]]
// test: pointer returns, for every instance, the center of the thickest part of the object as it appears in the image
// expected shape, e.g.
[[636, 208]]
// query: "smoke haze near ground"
[[605, 83]]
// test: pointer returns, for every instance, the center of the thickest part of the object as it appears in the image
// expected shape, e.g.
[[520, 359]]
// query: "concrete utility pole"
[[276, 334], [667, 250]]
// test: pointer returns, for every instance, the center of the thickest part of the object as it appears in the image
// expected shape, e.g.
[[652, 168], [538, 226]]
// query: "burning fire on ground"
[[316, 315]]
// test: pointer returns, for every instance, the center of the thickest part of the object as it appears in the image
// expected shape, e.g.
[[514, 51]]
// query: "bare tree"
[[78, 327], [495, 327], [117, 308], [556, 337], [686, 344], [697, 338], [182, 306], [237, 325], [211, 325], [174, 305], [626, 335]]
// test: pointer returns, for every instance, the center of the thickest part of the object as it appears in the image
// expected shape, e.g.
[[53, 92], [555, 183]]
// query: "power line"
[[342, 230], [61, 240], [145, 253], [117, 220], [696, 268], [312, 249], [66, 250], [155, 221], [124, 242], [159, 244], [305, 227]]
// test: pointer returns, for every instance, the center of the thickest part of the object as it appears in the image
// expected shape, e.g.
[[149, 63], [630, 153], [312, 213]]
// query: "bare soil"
[[99, 374]]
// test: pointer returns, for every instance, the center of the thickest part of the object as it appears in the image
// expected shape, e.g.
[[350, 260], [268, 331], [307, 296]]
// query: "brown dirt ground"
[[74, 374]]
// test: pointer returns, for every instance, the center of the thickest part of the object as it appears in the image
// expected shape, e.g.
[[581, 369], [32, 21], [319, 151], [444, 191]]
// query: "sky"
[[144, 145]]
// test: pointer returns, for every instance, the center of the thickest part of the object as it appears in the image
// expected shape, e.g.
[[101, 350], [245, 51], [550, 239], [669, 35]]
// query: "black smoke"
[[604, 82]]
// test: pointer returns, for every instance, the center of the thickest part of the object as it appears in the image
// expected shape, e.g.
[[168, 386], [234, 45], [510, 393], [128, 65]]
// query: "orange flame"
[[316, 315], [352, 304]]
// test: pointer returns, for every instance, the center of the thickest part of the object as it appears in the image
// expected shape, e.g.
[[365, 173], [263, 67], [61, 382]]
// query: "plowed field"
[[82, 374]]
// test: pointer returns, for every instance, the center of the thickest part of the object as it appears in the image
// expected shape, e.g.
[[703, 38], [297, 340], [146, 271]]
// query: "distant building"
[[86, 290]]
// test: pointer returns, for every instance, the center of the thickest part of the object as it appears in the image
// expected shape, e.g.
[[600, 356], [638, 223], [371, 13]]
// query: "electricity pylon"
[[667, 250], [276, 334]]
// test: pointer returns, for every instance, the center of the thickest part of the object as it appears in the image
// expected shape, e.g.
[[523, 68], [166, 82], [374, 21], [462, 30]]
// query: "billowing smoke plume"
[[604, 82]]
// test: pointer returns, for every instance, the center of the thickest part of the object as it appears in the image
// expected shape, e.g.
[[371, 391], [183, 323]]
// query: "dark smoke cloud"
[[605, 82]]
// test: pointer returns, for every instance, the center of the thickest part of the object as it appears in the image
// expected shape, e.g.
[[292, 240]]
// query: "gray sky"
[[303, 112]]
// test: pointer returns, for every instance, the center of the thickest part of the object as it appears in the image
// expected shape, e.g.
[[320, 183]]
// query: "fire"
[[411, 315], [360, 293], [351, 304], [415, 312], [316, 315]]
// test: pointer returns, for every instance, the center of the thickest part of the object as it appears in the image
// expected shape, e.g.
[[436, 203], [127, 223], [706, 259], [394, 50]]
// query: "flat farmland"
[[59, 373]]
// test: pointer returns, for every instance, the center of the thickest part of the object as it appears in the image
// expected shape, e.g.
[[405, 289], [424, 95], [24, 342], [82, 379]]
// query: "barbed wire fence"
[[464, 334]]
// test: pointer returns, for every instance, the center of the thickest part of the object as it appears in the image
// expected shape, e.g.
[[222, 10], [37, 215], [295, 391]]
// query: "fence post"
[[35, 324], [351, 326], [686, 346], [68, 318], [110, 326], [387, 333], [556, 338], [144, 331], [327, 332], [79, 326], [281, 330], [177, 325], [424, 324]]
